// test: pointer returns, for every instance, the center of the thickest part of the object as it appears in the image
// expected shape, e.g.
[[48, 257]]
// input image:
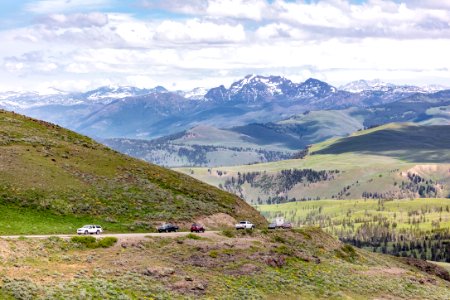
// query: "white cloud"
[[78, 20], [55, 6], [245, 9], [217, 41], [199, 31]]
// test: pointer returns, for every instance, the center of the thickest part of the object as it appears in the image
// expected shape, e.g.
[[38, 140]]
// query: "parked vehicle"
[[286, 225], [197, 228], [168, 227], [244, 225], [272, 226], [90, 229]]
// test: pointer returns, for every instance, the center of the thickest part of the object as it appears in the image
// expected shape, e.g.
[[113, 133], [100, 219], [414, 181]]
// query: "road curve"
[[119, 236]]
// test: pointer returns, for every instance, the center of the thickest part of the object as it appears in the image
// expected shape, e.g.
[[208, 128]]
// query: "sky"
[[77, 45]]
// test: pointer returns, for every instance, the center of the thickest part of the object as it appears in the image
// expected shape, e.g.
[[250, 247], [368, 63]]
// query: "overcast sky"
[[182, 44]]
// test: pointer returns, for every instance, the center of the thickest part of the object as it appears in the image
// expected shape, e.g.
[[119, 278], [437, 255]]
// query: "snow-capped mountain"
[[126, 111], [194, 94], [313, 88], [253, 88], [377, 85], [118, 92]]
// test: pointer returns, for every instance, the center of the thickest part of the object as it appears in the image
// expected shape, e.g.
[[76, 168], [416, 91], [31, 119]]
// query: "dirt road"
[[119, 236]]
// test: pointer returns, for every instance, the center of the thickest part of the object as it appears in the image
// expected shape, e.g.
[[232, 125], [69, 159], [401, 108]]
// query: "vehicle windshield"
[[243, 222]]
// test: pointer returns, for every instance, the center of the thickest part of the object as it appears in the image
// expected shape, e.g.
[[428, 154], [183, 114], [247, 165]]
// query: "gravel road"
[[119, 236]]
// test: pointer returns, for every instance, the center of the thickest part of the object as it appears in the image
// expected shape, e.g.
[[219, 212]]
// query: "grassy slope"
[[311, 265], [47, 168], [372, 160]]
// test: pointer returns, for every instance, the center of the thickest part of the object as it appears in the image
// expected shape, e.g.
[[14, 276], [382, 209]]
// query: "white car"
[[90, 229], [244, 225]]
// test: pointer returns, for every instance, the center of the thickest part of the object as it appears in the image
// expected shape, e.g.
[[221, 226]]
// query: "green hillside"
[[386, 162], [407, 142], [57, 172]]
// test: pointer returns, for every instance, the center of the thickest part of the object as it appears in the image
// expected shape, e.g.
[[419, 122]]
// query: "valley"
[[393, 161]]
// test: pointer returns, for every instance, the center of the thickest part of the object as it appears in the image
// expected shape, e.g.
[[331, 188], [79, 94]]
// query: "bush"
[[213, 253], [87, 241], [347, 253], [106, 242], [229, 233], [279, 239], [92, 243], [265, 231], [193, 236]]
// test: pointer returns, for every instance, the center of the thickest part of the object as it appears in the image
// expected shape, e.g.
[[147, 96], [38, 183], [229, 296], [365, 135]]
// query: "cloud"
[[78, 20], [199, 31], [189, 7], [209, 42], [56, 6]]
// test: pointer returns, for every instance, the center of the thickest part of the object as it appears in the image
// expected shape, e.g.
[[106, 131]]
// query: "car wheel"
[[98, 232]]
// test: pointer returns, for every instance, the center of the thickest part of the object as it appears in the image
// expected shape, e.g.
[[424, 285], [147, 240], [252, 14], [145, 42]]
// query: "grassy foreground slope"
[[46, 168], [387, 162], [297, 264]]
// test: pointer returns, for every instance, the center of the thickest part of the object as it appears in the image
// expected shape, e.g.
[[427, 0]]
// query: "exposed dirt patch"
[[219, 220], [385, 271]]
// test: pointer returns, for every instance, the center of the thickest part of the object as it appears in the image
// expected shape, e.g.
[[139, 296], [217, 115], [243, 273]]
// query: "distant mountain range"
[[267, 117], [114, 112]]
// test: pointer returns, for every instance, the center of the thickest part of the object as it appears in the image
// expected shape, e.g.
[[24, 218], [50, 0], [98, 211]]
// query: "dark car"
[[197, 228], [272, 226], [168, 227], [286, 225]]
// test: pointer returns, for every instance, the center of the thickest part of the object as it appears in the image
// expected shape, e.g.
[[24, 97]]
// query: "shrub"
[[92, 243], [229, 233], [347, 253], [193, 236], [213, 253], [283, 249], [265, 231], [20, 288], [87, 241], [279, 239], [106, 242]]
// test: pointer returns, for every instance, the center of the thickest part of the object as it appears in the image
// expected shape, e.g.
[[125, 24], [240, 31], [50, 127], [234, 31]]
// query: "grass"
[[46, 168], [23, 221], [240, 268], [413, 143], [370, 161]]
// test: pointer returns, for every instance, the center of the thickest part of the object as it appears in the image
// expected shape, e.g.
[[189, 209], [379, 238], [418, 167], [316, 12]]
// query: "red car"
[[197, 228]]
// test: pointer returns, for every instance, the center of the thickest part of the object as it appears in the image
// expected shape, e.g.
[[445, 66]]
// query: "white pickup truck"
[[244, 225]]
